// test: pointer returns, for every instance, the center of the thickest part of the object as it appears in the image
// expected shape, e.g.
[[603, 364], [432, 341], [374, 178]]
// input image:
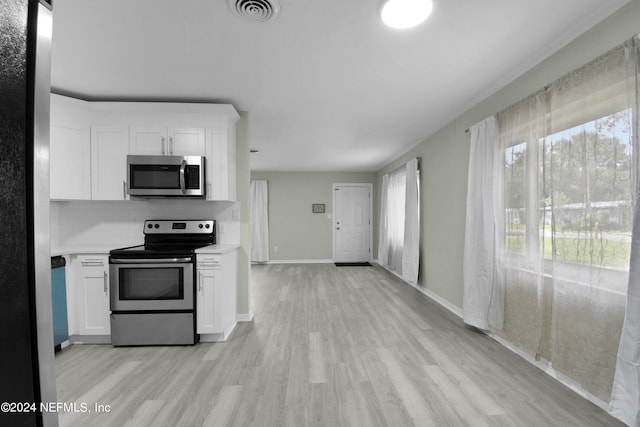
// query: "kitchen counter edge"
[[220, 248]]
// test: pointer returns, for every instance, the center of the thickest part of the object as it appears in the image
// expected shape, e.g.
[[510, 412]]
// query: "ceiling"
[[326, 86]]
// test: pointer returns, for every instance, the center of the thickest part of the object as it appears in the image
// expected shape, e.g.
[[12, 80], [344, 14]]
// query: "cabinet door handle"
[[172, 146], [105, 282], [162, 141], [209, 263], [89, 263], [124, 190], [200, 281]]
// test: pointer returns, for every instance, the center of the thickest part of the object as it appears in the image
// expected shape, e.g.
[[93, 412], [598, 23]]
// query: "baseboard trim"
[[90, 339], [432, 295], [438, 299], [296, 261], [244, 317], [546, 367], [542, 364], [218, 337]]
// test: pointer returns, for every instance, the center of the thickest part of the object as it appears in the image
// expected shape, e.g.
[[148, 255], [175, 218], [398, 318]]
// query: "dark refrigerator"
[[26, 334]]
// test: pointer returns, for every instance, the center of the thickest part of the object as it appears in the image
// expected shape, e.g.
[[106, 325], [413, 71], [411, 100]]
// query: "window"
[[586, 201], [515, 197], [556, 234], [399, 238], [583, 180]]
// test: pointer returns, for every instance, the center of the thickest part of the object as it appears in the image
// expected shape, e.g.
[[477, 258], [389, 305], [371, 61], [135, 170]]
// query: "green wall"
[[296, 232], [445, 155]]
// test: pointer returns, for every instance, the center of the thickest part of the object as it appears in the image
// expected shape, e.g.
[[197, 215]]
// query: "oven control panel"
[[191, 226]]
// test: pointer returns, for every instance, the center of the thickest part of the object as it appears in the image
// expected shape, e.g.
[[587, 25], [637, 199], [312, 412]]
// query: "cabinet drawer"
[[92, 261], [208, 261]]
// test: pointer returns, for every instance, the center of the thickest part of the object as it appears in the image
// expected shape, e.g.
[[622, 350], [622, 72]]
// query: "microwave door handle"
[[183, 166]]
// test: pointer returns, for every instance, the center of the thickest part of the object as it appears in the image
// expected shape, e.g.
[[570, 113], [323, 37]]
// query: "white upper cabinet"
[[186, 141], [161, 141], [90, 142], [221, 164], [145, 140], [109, 149], [69, 149]]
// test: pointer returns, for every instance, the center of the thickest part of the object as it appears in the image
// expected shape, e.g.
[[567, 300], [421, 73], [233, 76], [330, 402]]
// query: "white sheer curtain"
[[396, 195], [383, 235], [411, 250], [399, 240], [480, 242], [625, 398], [564, 182], [259, 221]]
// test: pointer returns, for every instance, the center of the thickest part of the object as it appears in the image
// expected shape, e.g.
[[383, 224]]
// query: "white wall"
[[95, 225]]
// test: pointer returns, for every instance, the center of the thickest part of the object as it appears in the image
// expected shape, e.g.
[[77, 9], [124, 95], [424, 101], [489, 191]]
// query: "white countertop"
[[221, 248], [76, 251]]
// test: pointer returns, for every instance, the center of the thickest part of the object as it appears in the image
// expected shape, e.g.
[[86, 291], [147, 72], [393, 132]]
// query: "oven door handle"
[[151, 261]]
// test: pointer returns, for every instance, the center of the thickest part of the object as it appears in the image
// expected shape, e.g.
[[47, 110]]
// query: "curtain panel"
[[625, 396], [399, 238], [411, 250], [396, 197], [548, 268], [479, 303], [259, 221], [383, 234]]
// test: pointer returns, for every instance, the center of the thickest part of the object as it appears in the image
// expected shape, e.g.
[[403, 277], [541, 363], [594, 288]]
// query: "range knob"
[[157, 226], [199, 225], [149, 225], [207, 226]]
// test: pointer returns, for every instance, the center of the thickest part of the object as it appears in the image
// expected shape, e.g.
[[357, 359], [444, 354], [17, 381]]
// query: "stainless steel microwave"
[[166, 176]]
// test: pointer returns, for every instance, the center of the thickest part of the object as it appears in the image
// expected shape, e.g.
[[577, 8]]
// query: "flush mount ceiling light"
[[405, 13], [255, 10]]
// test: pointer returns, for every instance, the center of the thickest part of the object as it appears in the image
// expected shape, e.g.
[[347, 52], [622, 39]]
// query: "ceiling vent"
[[255, 10]]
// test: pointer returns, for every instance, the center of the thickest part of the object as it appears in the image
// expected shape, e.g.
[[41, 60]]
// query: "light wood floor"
[[329, 346]]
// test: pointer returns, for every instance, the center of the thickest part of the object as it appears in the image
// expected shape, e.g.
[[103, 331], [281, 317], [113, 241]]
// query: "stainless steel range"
[[153, 285]]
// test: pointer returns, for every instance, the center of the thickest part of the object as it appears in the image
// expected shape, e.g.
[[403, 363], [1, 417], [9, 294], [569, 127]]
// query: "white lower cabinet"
[[208, 286], [92, 286], [216, 295]]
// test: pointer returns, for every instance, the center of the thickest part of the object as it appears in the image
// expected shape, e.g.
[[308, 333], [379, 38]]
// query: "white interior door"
[[352, 222]]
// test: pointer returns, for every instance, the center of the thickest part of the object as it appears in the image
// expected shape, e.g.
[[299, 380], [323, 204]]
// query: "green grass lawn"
[[602, 253]]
